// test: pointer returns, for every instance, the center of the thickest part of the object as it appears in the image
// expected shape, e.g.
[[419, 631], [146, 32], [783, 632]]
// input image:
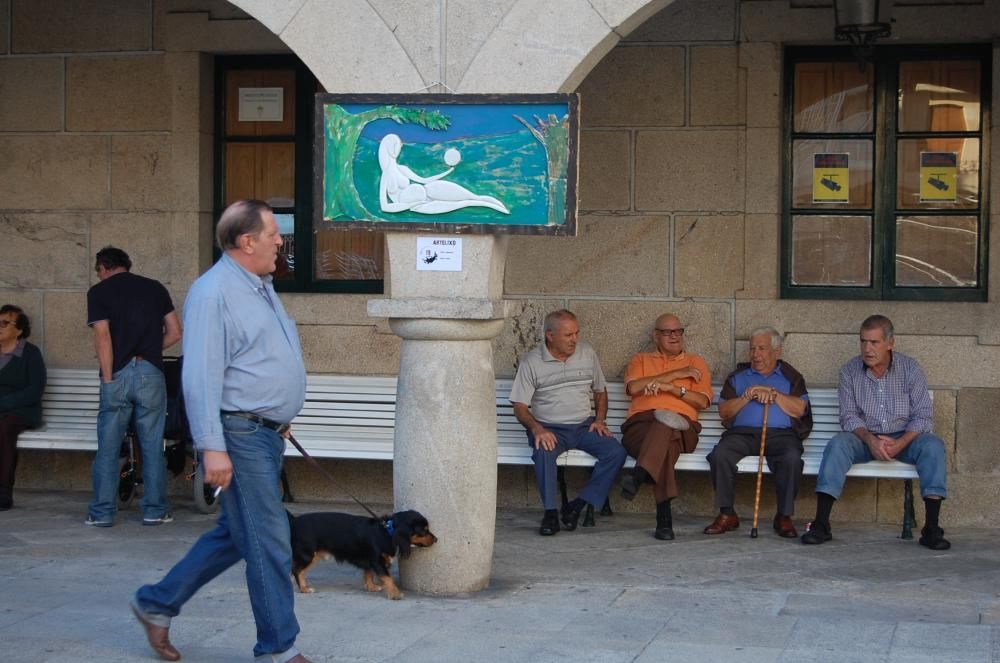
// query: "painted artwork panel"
[[454, 163]]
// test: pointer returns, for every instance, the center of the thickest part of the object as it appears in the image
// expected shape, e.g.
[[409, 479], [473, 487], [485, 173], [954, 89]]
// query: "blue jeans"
[[609, 453], [925, 451], [137, 388], [253, 527]]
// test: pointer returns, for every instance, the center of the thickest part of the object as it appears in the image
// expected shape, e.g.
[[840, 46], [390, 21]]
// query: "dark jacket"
[[22, 382], [803, 425]]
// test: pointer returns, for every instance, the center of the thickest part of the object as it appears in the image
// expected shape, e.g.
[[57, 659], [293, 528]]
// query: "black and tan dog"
[[368, 543]]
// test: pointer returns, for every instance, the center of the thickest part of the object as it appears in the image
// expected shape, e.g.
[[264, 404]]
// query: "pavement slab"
[[606, 594]]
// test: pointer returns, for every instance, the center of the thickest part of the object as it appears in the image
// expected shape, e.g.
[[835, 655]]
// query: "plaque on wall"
[[447, 163]]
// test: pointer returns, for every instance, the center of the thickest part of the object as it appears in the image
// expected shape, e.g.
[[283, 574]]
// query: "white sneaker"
[[162, 520]]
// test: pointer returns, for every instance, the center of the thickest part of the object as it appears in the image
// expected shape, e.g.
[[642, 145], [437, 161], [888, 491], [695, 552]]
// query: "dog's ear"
[[401, 539], [403, 530]]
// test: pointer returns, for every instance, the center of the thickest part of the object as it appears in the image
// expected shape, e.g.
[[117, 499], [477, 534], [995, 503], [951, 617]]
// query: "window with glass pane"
[[265, 149], [884, 174]]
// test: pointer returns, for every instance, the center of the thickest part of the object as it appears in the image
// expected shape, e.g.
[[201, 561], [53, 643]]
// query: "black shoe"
[[816, 534], [550, 523], [934, 539], [629, 487], [570, 517], [664, 533]]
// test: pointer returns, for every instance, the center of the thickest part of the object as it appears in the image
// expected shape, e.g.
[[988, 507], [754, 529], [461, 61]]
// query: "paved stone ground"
[[612, 593]]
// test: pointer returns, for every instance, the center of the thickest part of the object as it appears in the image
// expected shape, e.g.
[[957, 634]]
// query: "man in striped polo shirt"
[[556, 380], [885, 414]]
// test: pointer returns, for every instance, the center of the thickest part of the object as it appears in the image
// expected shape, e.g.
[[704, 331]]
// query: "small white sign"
[[262, 104], [439, 254]]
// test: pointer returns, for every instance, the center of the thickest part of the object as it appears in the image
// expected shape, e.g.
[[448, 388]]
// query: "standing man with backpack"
[[133, 321]]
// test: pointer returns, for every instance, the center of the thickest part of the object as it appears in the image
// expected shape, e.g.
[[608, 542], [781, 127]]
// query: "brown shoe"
[[299, 658], [158, 636], [784, 527], [723, 523]]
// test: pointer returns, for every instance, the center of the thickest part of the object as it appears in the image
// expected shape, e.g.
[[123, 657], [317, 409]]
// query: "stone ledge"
[[438, 308]]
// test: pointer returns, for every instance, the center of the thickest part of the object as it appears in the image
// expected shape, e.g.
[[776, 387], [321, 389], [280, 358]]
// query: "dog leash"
[[311, 460]]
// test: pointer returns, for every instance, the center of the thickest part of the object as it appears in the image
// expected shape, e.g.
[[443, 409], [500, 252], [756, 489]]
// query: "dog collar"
[[389, 526]]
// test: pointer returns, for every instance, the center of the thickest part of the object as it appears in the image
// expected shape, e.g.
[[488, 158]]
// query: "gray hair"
[[776, 338], [555, 317], [878, 322], [244, 217]]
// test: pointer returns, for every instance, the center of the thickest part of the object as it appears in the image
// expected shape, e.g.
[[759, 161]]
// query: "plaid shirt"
[[896, 402]]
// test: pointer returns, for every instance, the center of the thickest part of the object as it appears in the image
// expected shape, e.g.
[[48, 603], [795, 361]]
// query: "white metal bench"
[[353, 417]]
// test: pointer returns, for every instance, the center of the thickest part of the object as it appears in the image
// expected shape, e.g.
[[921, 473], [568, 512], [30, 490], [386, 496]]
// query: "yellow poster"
[[830, 178], [937, 176]]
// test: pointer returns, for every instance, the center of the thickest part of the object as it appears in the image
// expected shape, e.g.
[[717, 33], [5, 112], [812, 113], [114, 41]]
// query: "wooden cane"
[[760, 473]]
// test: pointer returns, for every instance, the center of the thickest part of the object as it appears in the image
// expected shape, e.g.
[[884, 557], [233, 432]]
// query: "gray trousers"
[[783, 451]]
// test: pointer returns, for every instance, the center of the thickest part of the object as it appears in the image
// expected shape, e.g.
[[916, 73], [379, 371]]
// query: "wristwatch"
[[683, 391]]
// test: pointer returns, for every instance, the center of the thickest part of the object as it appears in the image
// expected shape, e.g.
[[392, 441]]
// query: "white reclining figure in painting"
[[401, 190]]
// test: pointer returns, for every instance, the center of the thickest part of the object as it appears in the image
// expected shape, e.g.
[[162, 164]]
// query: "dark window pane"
[[939, 95], [831, 250], [349, 255], [285, 266], [833, 97], [937, 251]]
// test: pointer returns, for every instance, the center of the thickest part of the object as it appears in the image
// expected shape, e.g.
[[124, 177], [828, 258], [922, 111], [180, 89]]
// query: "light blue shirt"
[[896, 402], [241, 352]]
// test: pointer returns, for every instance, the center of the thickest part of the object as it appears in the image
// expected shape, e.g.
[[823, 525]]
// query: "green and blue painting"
[[505, 164]]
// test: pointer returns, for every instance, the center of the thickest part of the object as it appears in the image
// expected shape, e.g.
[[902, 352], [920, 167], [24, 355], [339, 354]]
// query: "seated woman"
[[22, 381], [668, 389], [402, 190]]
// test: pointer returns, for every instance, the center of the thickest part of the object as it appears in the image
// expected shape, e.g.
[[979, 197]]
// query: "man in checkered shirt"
[[885, 414]]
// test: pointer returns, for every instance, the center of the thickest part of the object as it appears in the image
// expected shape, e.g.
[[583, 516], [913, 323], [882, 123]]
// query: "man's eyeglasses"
[[5, 323], [671, 332]]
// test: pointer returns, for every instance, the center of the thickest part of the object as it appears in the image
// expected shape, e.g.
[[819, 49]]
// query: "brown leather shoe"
[[723, 523], [158, 636], [299, 658], [784, 527]]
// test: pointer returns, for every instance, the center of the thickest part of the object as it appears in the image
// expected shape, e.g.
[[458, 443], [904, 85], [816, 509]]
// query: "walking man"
[[244, 380], [133, 321]]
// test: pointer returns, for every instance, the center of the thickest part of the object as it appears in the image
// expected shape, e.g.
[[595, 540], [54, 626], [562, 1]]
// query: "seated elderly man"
[[885, 414], [668, 388], [769, 384], [556, 380]]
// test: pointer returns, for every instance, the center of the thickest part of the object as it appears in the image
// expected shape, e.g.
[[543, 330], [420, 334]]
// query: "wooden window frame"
[[884, 211], [303, 279]]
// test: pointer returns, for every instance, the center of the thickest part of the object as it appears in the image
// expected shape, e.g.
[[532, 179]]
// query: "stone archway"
[[505, 46]]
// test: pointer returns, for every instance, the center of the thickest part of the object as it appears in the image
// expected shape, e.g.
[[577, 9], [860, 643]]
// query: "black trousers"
[[11, 426], [783, 451]]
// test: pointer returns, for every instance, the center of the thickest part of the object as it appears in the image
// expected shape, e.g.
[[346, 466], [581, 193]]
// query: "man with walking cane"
[[244, 380], [765, 391]]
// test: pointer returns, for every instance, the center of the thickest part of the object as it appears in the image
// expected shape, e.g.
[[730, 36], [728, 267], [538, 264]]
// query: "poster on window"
[[447, 163], [938, 171], [831, 183]]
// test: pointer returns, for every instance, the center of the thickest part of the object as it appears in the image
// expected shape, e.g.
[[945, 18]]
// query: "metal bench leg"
[[909, 516], [561, 476]]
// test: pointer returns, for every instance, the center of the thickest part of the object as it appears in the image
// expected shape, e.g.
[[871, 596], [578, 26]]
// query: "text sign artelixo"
[[447, 163]]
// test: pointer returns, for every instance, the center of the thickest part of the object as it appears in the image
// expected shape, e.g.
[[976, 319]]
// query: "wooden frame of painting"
[[447, 163]]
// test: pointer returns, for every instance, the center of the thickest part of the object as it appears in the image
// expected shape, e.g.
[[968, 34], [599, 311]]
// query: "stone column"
[[445, 441]]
